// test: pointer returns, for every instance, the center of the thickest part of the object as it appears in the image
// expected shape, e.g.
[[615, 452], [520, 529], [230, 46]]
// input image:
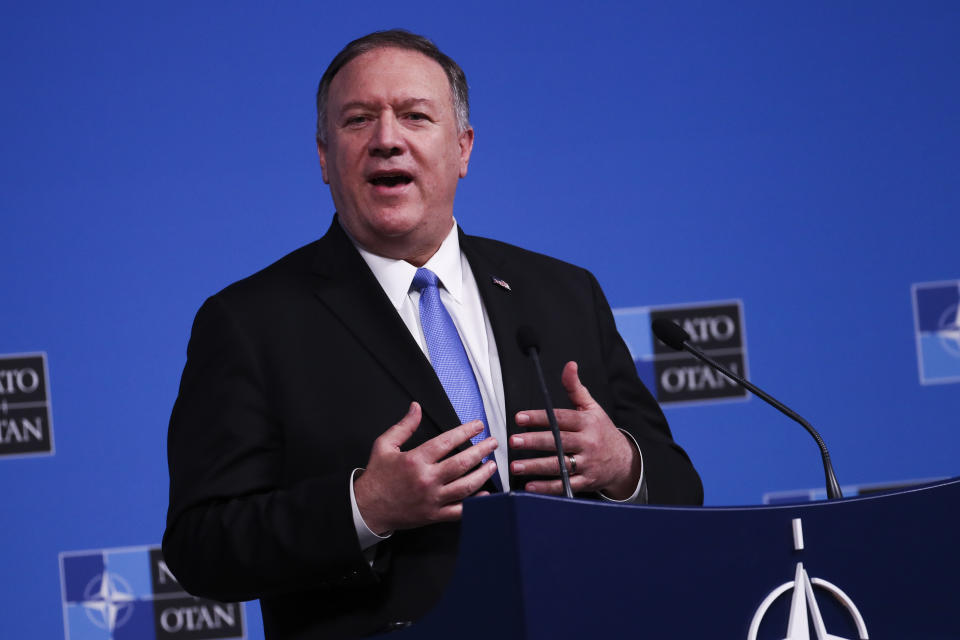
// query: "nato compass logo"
[[25, 427], [804, 607], [129, 594], [936, 313], [673, 376]]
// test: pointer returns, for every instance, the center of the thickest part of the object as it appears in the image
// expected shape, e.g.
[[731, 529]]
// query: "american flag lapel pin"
[[503, 284]]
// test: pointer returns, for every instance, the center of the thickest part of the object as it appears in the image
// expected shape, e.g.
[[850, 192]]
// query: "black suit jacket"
[[291, 375]]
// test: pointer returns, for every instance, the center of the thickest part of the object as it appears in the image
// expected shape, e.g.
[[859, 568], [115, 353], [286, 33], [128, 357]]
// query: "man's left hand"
[[605, 458]]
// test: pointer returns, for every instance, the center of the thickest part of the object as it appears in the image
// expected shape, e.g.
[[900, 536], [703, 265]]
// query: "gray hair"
[[398, 39]]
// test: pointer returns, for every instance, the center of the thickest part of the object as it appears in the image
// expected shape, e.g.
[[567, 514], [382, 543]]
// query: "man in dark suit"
[[292, 479]]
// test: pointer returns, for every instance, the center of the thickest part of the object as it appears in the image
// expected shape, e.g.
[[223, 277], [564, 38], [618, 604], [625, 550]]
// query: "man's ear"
[[322, 152], [466, 146]]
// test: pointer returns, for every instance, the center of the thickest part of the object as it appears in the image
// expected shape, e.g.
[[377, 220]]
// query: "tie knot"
[[424, 278]]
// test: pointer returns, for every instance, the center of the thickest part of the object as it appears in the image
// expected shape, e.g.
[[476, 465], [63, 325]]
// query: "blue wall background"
[[800, 157]]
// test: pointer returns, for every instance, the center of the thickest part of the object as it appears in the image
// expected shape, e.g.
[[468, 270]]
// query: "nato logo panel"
[[715, 328], [25, 425], [129, 594], [936, 314]]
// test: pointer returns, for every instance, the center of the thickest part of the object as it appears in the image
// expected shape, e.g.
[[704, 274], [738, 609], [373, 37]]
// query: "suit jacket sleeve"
[[235, 529], [670, 476]]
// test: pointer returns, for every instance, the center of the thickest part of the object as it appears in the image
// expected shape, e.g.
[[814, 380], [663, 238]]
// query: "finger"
[[441, 445], [567, 419], [578, 394], [555, 487], [546, 466], [469, 484], [449, 513], [399, 433], [544, 441], [461, 463]]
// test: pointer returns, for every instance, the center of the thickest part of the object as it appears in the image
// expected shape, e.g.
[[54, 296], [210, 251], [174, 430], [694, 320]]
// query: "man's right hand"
[[407, 489]]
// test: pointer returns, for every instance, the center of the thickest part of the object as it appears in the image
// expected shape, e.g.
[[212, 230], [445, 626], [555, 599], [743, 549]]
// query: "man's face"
[[393, 154]]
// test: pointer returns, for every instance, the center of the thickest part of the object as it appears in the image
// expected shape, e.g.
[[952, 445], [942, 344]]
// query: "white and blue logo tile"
[[129, 594], [936, 312]]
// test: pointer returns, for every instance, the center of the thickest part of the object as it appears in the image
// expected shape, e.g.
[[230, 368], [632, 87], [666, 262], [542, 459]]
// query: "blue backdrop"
[[798, 157]]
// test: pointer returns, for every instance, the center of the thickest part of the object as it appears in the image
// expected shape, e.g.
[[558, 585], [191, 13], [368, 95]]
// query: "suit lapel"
[[506, 311], [351, 292]]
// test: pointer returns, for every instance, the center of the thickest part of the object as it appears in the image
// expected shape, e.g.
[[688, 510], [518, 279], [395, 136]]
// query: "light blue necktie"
[[449, 358]]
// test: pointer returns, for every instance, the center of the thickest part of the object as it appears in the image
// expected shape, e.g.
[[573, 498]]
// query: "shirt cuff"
[[366, 537], [640, 493]]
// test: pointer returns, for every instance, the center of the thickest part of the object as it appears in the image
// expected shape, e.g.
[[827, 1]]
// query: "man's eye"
[[354, 120], [417, 116]]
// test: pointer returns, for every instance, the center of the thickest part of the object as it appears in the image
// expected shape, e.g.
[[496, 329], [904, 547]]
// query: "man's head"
[[400, 39], [394, 137]]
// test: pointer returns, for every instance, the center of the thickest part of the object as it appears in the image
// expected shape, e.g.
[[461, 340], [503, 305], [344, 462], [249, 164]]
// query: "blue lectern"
[[883, 566]]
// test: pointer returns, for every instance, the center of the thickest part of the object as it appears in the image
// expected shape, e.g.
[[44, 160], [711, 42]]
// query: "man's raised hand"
[[407, 489], [605, 459]]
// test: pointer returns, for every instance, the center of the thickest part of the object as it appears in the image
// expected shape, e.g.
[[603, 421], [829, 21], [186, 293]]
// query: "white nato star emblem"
[[803, 604], [108, 601]]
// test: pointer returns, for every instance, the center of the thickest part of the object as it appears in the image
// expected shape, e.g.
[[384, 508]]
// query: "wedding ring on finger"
[[573, 464]]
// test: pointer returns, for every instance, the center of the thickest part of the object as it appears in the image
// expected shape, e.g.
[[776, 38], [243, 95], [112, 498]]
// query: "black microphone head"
[[670, 333], [528, 339]]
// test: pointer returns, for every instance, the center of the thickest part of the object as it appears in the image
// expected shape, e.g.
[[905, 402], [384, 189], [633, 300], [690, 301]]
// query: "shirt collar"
[[396, 276]]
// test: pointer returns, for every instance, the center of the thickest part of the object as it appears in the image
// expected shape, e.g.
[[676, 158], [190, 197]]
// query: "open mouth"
[[390, 179]]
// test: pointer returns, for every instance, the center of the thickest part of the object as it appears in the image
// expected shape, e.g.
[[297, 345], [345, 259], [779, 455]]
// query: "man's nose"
[[387, 139]]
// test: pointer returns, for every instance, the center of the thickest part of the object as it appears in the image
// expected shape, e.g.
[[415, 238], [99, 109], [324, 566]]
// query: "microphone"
[[529, 344], [675, 337]]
